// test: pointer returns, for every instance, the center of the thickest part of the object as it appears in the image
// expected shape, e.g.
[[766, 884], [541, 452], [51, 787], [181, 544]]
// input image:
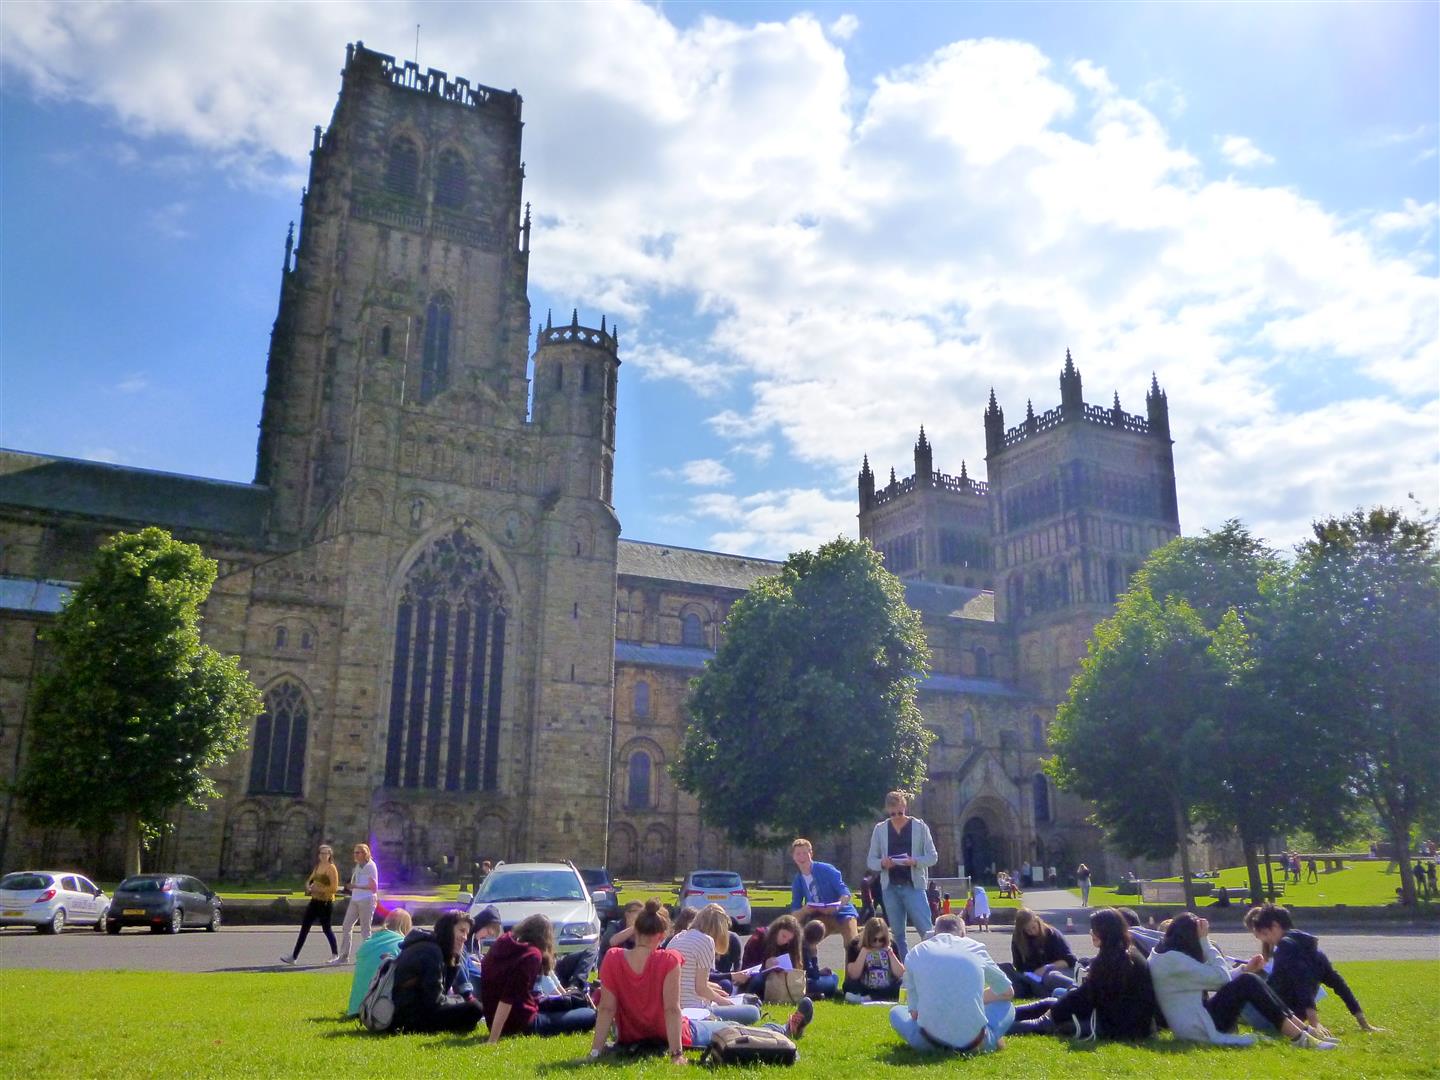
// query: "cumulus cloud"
[[703, 472], [1243, 153], [862, 259]]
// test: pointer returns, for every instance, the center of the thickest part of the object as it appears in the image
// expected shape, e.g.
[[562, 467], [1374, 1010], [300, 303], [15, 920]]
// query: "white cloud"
[[1242, 152], [132, 383], [843, 28], [703, 472], [169, 220], [864, 259]]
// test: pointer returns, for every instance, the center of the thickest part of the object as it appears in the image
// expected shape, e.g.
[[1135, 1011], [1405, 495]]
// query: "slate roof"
[[950, 601], [124, 494], [691, 566], [692, 659]]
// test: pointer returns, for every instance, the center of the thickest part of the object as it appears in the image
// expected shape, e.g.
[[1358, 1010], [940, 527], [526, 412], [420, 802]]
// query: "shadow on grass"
[[333, 1018]]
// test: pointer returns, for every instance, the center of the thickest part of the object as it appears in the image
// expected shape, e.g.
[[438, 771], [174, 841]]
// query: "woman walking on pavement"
[[364, 891], [321, 887]]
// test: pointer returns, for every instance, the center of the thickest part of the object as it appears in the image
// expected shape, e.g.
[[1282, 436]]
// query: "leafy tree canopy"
[[135, 711], [807, 714]]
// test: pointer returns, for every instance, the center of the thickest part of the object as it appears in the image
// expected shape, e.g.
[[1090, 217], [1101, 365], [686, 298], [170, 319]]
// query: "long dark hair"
[[1031, 948], [772, 949], [1183, 935], [444, 932], [1109, 970]]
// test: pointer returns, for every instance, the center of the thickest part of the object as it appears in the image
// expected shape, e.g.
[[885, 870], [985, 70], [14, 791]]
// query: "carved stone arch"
[[624, 858], [365, 510], [454, 176], [696, 625], [656, 857], [299, 839], [582, 536], [404, 161], [242, 853], [641, 771]]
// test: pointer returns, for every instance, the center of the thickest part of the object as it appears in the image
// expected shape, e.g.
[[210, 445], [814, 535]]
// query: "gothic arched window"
[[450, 181], [1037, 733], [448, 672], [967, 721], [982, 662], [692, 630], [282, 637], [642, 699], [277, 764], [637, 789], [1042, 797], [402, 168], [435, 366]]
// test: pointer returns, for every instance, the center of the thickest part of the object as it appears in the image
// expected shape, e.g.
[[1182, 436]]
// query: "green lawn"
[[132, 1025], [1359, 884]]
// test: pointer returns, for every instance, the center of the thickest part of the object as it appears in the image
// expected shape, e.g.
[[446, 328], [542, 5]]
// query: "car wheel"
[[56, 923], [99, 923], [177, 920], [214, 923], [112, 928]]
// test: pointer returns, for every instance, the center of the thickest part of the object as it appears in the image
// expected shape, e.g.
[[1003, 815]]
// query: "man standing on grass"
[[957, 998], [819, 892]]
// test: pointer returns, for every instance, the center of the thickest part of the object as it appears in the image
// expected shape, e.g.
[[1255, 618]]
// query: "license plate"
[[134, 911], [14, 914], [716, 896]]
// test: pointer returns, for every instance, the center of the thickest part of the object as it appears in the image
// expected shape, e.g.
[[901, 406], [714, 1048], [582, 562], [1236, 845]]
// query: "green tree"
[[1356, 655], [807, 714], [135, 711], [1135, 732]]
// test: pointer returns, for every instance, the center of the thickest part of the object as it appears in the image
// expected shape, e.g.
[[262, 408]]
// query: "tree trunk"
[[1252, 866], [1400, 841], [1182, 832], [132, 845]]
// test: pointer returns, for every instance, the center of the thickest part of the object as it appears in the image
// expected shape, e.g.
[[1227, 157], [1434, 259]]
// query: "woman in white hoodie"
[[1185, 965]]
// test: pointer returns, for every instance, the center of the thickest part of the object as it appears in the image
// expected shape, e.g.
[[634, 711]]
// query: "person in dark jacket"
[[427, 964], [1116, 1000], [507, 986], [1043, 962], [1297, 967]]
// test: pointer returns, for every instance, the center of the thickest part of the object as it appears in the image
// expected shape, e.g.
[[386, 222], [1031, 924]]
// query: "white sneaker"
[[1306, 1041], [337, 959], [287, 959]]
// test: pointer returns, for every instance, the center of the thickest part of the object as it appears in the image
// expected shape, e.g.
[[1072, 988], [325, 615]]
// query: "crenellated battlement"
[[607, 338], [961, 484], [408, 75], [1114, 418]]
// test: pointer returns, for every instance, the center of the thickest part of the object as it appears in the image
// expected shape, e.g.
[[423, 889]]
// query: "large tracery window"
[[402, 168], [450, 186], [446, 683], [435, 367], [277, 765]]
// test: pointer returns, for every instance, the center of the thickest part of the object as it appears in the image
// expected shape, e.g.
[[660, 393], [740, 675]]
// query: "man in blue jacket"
[[819, 892]]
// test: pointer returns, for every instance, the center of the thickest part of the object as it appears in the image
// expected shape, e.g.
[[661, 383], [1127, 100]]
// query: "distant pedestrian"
[[1312, 871], [321, 886], [1082, 877], [1419, 874], [1430, 877]]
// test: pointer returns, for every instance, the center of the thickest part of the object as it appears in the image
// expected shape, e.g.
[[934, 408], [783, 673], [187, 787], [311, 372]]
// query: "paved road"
[[258, 948]]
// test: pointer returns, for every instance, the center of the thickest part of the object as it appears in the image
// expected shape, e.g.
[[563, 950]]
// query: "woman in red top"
[[507, 985], [640, 995]]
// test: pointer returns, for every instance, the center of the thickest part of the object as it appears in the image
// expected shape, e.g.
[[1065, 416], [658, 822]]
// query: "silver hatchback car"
[[49, 900], [723, 887]]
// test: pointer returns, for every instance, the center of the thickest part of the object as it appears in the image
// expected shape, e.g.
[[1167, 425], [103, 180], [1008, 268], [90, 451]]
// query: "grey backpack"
[[377, 1010]]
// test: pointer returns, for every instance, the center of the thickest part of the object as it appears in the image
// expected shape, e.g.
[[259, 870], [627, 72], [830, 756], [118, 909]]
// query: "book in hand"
[[778, 963], [816, 905]]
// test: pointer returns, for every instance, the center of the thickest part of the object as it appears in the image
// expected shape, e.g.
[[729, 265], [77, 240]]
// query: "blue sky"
[[819, 226]]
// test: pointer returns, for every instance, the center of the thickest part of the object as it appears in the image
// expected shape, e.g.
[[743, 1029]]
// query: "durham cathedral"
[[460, 656]]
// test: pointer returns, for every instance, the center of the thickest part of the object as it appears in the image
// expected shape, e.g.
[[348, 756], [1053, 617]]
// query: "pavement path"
[[258, 948]]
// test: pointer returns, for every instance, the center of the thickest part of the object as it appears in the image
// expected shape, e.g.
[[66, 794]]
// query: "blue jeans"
[[822, 986], [902, 901], [563, 1023], [999, 1015], [739, 1012]]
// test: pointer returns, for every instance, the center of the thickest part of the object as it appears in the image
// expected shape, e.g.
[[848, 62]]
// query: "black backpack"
[[749, 1046]]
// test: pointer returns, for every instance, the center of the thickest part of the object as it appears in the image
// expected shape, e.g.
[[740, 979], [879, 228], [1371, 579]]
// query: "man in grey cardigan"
[[902, 850]]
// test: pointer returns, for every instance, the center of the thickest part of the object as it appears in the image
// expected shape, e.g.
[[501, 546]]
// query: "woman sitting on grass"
[[1042, 957], [709, 931], [375, 948], [426, 966], [640, 995], [873, 970], [1116, 1000], [765, 947], [1185, 965], [514, 965]]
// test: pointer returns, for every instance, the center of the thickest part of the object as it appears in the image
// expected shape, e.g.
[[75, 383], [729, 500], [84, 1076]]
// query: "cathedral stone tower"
[[1078, 497], [469, 545]]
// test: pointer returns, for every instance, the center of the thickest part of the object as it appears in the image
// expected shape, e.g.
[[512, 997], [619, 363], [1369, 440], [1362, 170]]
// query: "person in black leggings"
[[321, 887]]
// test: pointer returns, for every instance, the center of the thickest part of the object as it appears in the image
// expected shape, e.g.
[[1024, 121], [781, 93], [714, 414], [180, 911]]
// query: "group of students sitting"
[[673, 987], [653, 996]]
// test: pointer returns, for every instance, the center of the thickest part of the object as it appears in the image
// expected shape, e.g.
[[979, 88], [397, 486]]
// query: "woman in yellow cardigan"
[[321, 887]]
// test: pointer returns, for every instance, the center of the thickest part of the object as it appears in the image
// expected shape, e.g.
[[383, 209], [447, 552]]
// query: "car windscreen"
[[501, 887], [25, 882], [715, 881], [595, 878], [142, 884]]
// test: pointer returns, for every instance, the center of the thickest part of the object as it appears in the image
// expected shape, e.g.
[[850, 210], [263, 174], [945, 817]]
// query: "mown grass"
[[1359, 884], [132, 1025]]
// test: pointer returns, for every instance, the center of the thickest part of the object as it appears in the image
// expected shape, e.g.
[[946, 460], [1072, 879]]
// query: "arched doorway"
[[977, 849]]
